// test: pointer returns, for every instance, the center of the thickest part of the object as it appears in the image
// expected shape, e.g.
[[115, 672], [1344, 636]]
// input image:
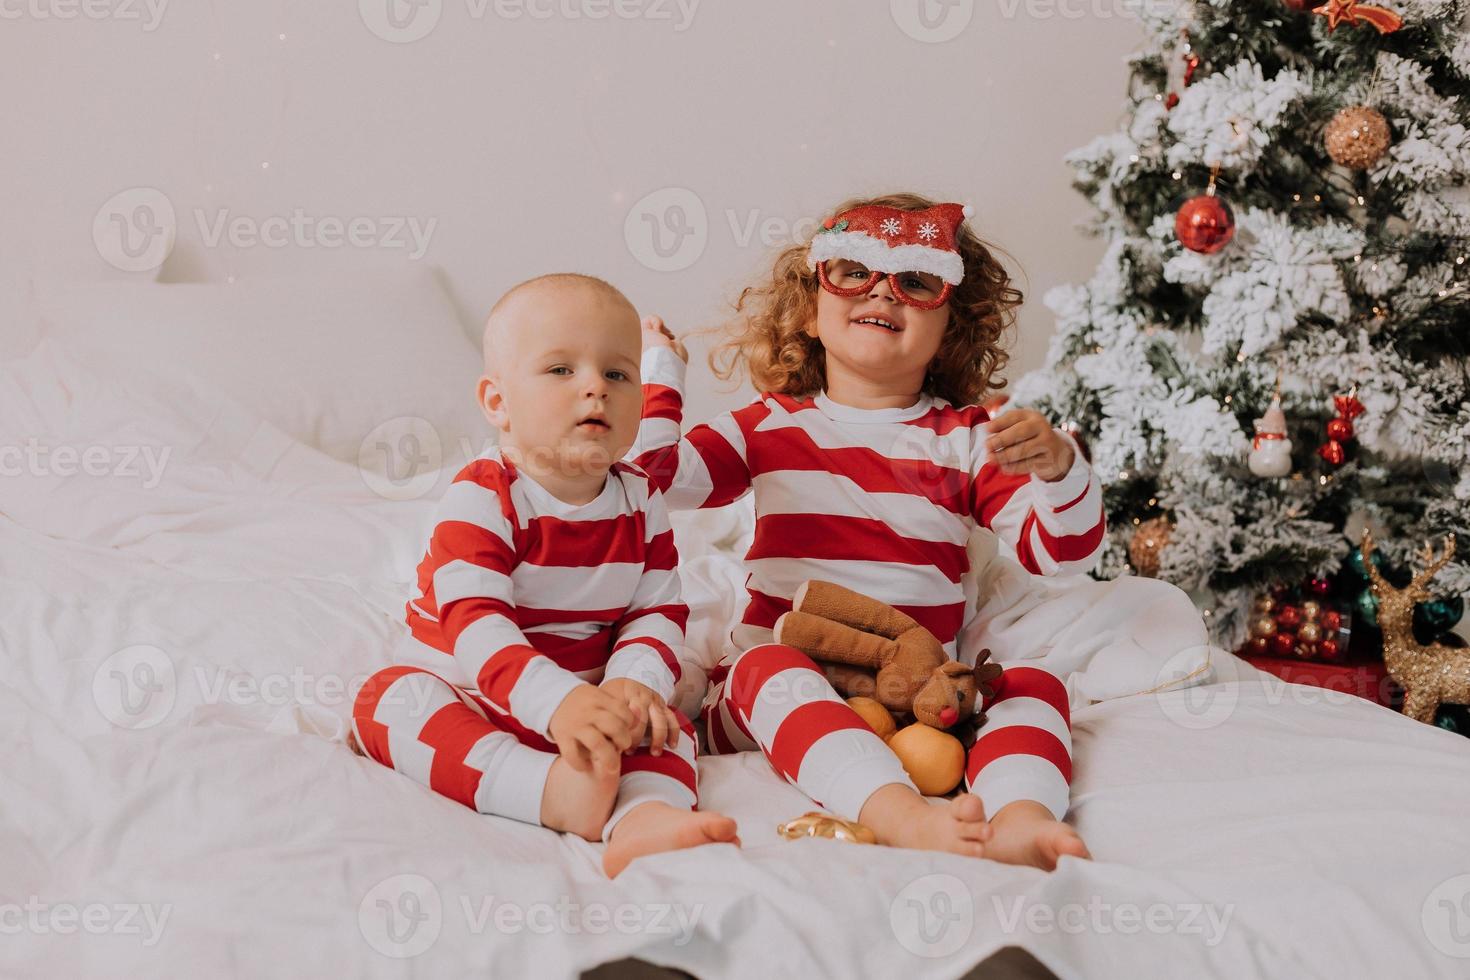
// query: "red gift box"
[[1365, 678]]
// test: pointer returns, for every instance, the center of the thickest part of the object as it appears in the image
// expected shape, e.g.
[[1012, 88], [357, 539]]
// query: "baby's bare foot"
[[656, 827], [1027, 833], [577, 802], [899, 817]]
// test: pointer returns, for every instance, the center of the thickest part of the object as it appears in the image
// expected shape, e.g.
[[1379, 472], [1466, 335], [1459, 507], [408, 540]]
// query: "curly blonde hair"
[[769, 339]]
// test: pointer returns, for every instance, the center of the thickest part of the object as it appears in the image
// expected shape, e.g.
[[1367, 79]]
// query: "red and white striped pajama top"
[[532, 596], [881, 501]]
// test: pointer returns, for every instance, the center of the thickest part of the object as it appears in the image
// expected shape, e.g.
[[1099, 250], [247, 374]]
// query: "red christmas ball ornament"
[[1329, 649], [1288, 617], [1319, 586], [1283, 644], [1331, 621], [1348, 406], [1339, 429], [1204, 224]]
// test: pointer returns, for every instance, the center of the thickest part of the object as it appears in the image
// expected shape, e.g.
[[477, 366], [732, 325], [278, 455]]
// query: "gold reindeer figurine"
[[1430, 675]]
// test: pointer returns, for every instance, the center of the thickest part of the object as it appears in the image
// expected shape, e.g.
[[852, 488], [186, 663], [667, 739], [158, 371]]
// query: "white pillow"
[[326, 360]]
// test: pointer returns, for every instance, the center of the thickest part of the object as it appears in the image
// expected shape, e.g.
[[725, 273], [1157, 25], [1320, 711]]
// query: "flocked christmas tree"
[[1286, 215]]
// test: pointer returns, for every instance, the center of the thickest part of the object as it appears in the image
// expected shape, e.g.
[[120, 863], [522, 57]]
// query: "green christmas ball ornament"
[[1366, 607], [1355, 562], [1439, 615], [1433, 620], [1453, 718]]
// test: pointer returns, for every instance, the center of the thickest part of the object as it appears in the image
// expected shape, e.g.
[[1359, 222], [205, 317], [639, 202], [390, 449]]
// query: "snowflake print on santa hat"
[[892, 242]]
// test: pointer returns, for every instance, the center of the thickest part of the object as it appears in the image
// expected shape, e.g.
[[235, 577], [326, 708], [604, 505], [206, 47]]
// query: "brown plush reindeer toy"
[[888, 665], [1430, 675]]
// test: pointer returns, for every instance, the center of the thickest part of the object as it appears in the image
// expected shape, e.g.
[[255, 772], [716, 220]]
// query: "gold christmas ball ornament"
[[1264, 604], [1309, 632], [1148, 544], [1263, 627], [1357, 137], [1311, 610]]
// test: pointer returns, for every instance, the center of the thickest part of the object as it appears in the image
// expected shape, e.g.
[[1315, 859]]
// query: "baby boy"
[[537, 682]]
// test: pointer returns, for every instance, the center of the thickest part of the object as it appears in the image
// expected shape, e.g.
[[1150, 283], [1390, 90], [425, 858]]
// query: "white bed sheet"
[[1243, 829]]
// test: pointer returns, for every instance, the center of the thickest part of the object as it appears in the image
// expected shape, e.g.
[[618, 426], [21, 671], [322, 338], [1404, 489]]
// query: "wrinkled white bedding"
[[178, 657]]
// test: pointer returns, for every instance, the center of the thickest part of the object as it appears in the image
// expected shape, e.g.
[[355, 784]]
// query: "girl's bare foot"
[[901, 817], [577, 802], [654, 827], [1027, 833]]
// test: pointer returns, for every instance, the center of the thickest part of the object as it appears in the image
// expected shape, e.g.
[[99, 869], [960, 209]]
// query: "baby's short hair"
[[565, 280], [550, 282]]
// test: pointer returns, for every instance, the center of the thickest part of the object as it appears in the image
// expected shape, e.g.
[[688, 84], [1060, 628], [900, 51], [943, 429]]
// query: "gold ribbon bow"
[[816, 824]]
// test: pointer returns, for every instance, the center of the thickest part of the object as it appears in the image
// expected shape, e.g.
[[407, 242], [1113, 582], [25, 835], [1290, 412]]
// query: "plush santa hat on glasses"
[[918, 245]]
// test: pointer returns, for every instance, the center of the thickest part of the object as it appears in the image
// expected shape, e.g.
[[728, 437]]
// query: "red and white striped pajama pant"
[[774, 698], [452, 741]]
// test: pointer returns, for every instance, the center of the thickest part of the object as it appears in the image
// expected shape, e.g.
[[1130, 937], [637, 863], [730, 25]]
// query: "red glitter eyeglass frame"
[[873, 276]]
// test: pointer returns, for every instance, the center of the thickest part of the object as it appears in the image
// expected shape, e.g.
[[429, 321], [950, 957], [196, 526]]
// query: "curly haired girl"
[[871, 463]]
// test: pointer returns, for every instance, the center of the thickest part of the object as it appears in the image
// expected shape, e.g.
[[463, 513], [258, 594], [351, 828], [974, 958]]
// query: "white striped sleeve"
[[652, 632], [1054, 527], [706, 468]]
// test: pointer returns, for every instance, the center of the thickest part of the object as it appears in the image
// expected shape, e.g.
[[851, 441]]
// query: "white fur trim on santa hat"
[[879, 256]]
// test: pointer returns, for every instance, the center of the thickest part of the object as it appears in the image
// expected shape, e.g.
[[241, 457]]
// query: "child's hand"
[[662, 724], [591, 728], [656, 334], [1023, 441]]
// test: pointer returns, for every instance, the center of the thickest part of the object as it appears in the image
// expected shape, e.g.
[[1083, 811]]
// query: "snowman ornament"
[[1271, 450]]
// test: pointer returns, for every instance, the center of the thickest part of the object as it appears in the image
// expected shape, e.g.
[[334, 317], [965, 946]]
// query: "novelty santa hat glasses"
[[892, 242]]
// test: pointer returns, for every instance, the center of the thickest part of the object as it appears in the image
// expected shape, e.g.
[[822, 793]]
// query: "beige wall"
[[522, 143]]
